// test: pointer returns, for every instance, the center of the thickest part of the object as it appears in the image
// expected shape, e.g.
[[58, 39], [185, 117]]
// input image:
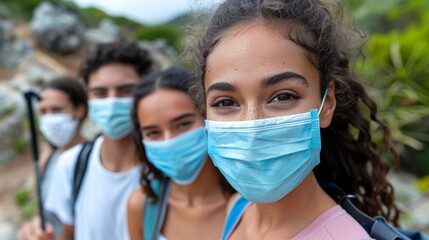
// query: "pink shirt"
[[333, 224]]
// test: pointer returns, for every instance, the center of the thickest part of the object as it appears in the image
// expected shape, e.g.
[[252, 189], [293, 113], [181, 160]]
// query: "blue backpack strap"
[[234, 216], [154, 211]]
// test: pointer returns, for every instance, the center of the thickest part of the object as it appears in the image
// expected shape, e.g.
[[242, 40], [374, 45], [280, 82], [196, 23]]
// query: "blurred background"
[[43, 39]]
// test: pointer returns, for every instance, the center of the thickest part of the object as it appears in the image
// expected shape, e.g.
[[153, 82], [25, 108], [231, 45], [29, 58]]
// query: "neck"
[[204, 189], [77, 139], [119, 155], [303, 205]]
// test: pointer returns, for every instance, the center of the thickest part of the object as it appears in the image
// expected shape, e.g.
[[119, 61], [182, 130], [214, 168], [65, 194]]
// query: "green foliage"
[[396, 69], [397, 74], [19, 145], [92, 16], [423, 184], [7, 111], [29, 209], [23, 199], [22, 196], [172, 34], [24, 8], [383, 16]]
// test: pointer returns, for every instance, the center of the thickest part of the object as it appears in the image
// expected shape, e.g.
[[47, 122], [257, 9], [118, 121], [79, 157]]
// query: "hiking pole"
[[29, 95]]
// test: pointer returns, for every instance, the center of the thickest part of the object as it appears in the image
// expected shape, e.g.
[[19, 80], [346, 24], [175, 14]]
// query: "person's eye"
[[126, 92], [184, 125], [224, 103], [57, 110], [283, 97], [99, 94], [151, 135]]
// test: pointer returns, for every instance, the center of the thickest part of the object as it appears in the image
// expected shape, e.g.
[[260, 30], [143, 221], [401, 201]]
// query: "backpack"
[[154, 211], [80, 169], [376, 227]]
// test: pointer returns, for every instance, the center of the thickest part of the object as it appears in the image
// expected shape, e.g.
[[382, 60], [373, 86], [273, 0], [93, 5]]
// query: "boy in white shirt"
[[110, 73]]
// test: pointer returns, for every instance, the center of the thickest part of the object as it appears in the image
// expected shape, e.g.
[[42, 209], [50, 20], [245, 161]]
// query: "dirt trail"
[[13, 175]]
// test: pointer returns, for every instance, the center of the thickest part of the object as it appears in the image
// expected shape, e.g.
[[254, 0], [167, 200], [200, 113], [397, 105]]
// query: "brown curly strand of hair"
[[121, 51], [350, 160]]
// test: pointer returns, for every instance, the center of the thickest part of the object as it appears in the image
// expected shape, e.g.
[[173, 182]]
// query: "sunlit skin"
[[55, 101], [197, 210], [255, 72]]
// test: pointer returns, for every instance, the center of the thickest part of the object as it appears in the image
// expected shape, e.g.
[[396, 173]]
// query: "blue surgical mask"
[[266, 159], [112, 116], [180, 158]]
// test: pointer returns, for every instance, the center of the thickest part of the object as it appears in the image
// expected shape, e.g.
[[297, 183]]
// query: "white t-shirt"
[[100, 209], [49, 172]]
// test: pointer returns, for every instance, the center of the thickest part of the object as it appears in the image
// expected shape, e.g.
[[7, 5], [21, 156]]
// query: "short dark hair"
[[121, 51], [72, 88]]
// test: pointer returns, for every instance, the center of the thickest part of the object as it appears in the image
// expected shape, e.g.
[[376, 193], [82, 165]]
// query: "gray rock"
[[106, 32], [12, 113], [13, 52], [6, 33], [56, 29], [7, 231], [162, 53]]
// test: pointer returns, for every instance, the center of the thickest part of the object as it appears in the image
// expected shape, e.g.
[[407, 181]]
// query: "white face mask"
[[58, 128]]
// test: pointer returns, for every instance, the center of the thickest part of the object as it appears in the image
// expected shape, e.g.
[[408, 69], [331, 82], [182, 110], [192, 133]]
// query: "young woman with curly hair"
[[285, 114]]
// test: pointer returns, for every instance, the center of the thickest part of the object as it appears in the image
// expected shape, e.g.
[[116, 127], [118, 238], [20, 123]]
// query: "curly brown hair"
[[349, 156], [120, 51]]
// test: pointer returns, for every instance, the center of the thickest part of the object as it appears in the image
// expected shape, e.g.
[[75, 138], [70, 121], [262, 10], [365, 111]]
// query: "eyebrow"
[[221, 86], [125, 86], [285, 76], [185, 115], [119, 87]]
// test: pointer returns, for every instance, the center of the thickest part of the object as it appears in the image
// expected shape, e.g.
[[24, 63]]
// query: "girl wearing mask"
[[62, 109], [285, 114], [172, 142]]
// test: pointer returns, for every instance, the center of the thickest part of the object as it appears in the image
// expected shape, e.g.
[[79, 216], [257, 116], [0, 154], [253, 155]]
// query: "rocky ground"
[[13, 175]]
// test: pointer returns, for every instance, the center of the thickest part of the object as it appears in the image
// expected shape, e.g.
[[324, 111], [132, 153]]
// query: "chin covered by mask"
[[266, 159], [112, 116], [180, 158], [58, 128]]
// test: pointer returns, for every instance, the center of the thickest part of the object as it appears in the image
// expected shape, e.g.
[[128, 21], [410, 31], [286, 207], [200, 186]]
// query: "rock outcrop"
[[56, 29]]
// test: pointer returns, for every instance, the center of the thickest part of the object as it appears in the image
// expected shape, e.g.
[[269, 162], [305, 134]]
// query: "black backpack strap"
[[378, 228], [80, 169]]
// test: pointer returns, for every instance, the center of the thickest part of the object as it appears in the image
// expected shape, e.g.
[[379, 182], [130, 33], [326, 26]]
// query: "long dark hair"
[[72, 88], [349, 156], [175, 78]]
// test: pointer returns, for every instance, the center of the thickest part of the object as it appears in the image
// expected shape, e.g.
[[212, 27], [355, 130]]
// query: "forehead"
[[52, 96], [255, 50], [164, 105], [113, 74]]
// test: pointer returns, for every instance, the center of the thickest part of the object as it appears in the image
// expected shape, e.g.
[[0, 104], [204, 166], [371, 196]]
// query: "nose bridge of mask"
[[323, 101]]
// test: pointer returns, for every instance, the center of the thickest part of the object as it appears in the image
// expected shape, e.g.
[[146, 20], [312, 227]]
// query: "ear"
[[327, 112], [80, 112]]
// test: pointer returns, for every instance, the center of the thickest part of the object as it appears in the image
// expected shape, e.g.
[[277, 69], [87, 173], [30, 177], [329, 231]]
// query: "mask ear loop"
[[323, 101]]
